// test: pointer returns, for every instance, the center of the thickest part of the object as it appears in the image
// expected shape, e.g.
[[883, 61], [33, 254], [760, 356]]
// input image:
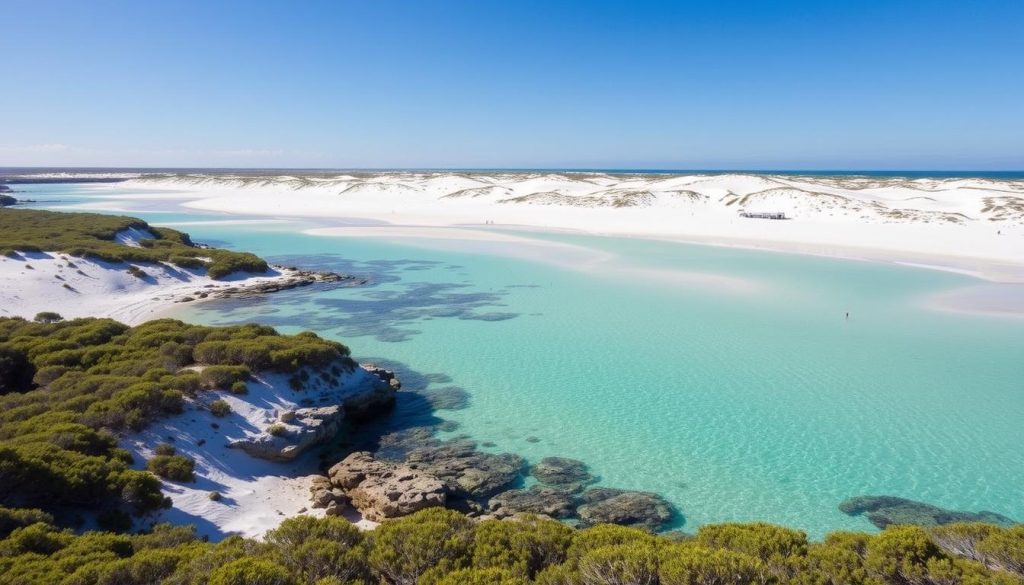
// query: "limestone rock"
[[538, 499], [309, 427], [465, 470], [563, 473], [381, 489], [367, 405], [612, 506], [885, 510]]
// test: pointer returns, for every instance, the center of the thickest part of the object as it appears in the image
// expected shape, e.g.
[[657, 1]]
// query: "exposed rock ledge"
[[290, 277], [381, 489], [370, 392], [455, 474]]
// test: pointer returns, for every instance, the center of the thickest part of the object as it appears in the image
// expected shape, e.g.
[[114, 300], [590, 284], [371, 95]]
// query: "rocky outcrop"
[[369, 405], [386, 376], [885, 510], [563, 473], [291, 277], [538, 499], [465, 471], [326, 496], [295, 431], [627, 508], [381, 489]]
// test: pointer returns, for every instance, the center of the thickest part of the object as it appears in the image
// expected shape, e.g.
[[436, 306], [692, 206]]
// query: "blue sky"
[[822, 84]]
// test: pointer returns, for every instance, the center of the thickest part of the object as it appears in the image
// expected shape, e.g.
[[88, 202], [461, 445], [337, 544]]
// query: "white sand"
[[256, 495], [946, 223], [76, 287]]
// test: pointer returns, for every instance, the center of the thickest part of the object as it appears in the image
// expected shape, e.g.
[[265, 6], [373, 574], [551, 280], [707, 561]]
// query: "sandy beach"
[[966, 225]]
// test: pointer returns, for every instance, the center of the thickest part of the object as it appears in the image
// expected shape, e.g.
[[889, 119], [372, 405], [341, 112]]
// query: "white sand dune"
[[254, 495], [974, 225], [78, 287]]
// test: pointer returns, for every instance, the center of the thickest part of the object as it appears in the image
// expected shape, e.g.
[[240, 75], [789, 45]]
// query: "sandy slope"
[[76, 287], [255, 495], [974, 225]]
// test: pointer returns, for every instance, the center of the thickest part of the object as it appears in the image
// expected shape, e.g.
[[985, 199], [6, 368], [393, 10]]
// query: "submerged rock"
[[538, 499], [466, 471], [627, 508], [885, 510], [563, 473], [381, 489]]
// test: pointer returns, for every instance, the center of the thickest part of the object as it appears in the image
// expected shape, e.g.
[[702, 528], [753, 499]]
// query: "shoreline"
[[77, 287], [964, 225]]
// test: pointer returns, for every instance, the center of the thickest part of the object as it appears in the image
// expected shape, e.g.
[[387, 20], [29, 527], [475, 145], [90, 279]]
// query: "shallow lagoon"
[[728, 381]]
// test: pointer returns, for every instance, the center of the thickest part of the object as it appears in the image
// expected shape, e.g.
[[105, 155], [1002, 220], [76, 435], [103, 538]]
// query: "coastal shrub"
[[47, 317], [137, 272], [252, 571], [523, 547], [695, 565], [490, 576], [320, 548], [220, 408], [165, 449], [636, 562], [239, 387], [186, 261], [439, 547], [18, 518], [435, 538], [172, 467], [81, 382], [91, 235], [16, 371], [222, 377], [277, 430]]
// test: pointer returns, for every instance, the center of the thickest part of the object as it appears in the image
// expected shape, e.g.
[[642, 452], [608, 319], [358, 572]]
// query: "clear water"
[[729, 381]]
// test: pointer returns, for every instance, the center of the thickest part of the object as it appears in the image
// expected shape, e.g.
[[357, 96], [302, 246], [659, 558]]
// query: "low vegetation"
[[92, 235], [443, 547], [69, 388], [172, 467]]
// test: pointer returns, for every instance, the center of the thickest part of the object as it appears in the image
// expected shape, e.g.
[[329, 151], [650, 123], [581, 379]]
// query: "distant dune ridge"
[[968, 224], [885, 199]]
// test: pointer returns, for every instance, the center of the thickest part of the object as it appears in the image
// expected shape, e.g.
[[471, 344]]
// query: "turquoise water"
[[726, 380]]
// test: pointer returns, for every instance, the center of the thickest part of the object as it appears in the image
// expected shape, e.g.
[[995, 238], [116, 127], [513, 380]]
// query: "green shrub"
[[186, 261], [137, 272], [114, 521], [220, 408], [694, 565], [172, 467], [93, 236], [165, 449], [435, 538], [222, 377], [239, 387], [16, 371], [252, 571], [277, 430], [48, 317], [17, 518]]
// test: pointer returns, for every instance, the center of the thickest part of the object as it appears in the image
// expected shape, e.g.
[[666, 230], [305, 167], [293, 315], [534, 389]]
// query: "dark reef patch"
[[885, 510]]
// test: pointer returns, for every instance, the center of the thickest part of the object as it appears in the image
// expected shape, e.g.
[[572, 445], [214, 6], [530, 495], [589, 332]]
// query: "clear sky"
[[717, 84]]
